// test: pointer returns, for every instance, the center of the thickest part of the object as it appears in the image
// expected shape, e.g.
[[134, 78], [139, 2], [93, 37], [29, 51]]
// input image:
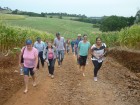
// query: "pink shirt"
[[50, 54], [29, 57]]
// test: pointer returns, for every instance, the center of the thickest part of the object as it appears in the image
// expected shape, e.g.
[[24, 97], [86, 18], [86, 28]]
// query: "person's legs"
[[26, 78], [33, 76], [62, 56], [53, 64], [41, 58], [83, 70], [38, 62], [96, 66], [84, 64], [49, 67], [58, 57]]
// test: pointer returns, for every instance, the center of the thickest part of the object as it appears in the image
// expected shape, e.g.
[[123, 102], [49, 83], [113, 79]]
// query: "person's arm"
[[78, 49], [54, 43], [88, 51], [20, 64], [64, 44], [92, 52], [44, 54], [36, 60]]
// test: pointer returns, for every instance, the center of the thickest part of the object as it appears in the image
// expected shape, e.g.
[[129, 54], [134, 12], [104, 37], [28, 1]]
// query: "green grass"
[[11, 17], [67, 28]]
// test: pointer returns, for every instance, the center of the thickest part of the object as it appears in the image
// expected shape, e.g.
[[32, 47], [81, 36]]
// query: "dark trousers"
[[72, 47], [51, 66], [97, 67], [40, 56]]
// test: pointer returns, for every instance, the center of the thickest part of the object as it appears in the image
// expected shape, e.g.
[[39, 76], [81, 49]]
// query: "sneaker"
[[95, 79], [52, 77], [34, 84], [83, 74], [25, 91], [49, 75]]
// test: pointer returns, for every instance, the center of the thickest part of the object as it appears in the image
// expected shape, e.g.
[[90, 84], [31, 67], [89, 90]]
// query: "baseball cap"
[[28, 42], [38, 38], [57, 34]]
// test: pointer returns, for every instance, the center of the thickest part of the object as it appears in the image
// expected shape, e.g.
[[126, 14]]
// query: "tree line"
[[105, 23]]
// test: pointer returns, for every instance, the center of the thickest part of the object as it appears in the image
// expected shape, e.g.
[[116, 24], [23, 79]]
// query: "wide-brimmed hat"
[[79, 35]]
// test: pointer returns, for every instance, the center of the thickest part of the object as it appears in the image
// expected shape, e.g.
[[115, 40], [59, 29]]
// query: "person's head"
[[58, 35], [49, 44], [38, 39], [79, 36], [85, 37], [98, 40], [29, 44]]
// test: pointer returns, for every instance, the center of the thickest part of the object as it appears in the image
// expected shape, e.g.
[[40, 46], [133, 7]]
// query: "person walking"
[[68, 46], [40, 45], [98, 51], [83, 52], [59, 43], [28, 59], [49, 55], [72, 45], [76, 46]]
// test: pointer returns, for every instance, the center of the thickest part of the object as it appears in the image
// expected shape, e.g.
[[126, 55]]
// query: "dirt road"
[[69, 87]]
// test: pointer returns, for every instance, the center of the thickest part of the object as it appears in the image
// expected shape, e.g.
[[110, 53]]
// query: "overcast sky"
[[87, 7]]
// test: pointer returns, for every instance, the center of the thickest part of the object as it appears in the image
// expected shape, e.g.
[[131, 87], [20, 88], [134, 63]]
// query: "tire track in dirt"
[[69, 87]]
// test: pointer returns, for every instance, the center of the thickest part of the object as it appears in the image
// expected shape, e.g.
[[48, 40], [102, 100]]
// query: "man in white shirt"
[[59, 43]]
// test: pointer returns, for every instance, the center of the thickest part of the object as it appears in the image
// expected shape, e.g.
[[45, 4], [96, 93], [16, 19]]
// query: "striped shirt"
[[98, 52]]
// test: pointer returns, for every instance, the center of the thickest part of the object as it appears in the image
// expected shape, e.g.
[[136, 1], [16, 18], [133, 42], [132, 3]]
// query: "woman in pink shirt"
[[49, 55], [29, 64]]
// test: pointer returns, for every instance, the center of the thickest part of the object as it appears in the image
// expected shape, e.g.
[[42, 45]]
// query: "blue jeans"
[[28, 70], [60, 56], [72, 47]]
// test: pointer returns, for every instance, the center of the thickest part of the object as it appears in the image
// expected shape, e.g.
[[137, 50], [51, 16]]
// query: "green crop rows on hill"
[[129, 37]]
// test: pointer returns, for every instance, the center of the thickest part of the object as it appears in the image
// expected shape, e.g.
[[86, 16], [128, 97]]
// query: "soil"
[[129, 58], [116, 85]]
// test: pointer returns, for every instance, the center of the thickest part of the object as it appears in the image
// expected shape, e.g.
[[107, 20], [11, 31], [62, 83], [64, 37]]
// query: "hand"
[[78, 56], [34, 69], [101, 56], [20, 64], [46, 61]]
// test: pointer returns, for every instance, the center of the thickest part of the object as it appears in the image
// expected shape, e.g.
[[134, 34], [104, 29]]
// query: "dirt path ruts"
[[69, 87]]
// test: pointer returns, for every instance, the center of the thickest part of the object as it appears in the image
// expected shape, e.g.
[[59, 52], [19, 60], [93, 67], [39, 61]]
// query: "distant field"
[[66, 27], [11, 17]]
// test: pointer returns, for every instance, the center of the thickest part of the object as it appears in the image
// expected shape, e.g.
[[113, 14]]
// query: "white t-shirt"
[[59, 43]]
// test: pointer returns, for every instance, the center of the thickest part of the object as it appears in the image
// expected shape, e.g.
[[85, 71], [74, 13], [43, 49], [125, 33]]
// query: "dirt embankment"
[[129, 58], [10, 80]]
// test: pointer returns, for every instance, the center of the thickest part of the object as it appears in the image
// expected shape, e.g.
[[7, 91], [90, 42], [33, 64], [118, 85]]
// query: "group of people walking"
[[48, 52]]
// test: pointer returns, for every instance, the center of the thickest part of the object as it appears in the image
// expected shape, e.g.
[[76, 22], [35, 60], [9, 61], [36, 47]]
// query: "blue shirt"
[[83, 48], [77, 42], [39, 46]]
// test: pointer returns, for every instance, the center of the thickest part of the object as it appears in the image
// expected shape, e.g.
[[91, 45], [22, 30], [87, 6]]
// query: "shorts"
[[82, 60], [28, 70]]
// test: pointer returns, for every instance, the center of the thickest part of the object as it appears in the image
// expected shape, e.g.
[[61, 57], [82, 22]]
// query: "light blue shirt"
[[39, 46], [83, 48]]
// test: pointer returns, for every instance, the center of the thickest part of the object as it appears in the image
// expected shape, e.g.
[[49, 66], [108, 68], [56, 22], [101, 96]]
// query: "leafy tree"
[[115, 23]]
